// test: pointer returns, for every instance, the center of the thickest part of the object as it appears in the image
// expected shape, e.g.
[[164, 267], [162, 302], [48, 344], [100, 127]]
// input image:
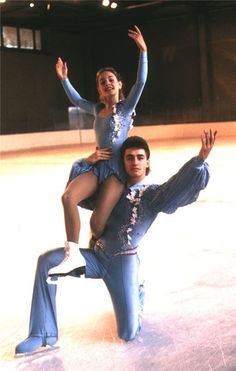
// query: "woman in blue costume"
[[100, 174]]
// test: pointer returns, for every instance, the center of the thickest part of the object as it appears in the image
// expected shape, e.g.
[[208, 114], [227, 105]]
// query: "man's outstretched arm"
[[184, 187]]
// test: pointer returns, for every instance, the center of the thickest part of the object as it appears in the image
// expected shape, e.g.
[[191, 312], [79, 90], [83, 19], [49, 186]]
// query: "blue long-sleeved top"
[[140, 204], [112, 130]]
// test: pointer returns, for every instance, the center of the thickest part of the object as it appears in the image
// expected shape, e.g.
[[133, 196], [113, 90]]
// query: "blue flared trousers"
[[120, 275]]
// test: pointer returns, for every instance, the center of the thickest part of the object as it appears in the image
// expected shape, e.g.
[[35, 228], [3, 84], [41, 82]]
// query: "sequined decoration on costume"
[[117, 121], [134, 197]]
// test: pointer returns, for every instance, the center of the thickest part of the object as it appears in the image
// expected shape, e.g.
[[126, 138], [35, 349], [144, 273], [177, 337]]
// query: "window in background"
[[26, 38], [38, 44], [21, 38], [9, 35]]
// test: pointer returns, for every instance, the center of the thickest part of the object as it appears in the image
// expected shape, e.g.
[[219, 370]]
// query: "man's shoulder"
[[151, 187], [147, 188]]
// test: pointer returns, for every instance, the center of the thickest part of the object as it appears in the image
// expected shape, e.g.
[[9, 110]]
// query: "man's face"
[[135, 163]]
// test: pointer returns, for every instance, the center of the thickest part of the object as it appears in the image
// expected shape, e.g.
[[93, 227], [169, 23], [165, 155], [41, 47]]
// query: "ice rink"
[[188, 263]]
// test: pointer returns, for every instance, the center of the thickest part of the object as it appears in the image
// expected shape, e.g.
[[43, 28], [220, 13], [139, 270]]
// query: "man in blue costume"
[[114, 257]]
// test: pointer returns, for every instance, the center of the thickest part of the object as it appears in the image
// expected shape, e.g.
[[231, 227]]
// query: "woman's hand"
[[138, 38], [208, 141], [61, 69], [98, 155]]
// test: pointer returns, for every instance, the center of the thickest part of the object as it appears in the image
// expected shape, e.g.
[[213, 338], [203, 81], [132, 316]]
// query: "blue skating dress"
[[112, 130]]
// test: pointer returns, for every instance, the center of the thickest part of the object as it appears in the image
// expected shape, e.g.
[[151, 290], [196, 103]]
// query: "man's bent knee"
[[129, 335]]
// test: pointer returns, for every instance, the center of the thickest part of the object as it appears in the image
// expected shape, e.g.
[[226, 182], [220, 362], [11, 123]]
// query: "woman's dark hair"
[[135, 142], [118, 76]]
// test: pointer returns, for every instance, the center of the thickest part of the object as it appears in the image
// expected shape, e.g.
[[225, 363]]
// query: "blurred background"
[[191, 47]]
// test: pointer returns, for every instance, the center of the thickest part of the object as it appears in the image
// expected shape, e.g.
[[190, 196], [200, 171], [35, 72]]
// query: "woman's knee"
[[68, 198], [64, 198]]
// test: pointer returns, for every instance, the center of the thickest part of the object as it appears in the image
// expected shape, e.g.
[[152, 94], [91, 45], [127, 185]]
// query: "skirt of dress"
[[102, 170]]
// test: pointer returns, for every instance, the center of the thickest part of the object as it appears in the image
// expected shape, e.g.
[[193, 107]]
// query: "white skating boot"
[[73, 259]]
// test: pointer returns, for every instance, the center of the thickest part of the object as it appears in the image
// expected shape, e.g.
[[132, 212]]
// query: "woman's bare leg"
[[80, 188], [109, 194]]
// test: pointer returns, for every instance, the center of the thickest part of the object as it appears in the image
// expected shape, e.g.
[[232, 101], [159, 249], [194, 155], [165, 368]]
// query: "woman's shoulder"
[[98, 107]]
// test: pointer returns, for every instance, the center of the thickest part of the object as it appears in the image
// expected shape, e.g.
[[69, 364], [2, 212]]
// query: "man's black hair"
[[135, 142]]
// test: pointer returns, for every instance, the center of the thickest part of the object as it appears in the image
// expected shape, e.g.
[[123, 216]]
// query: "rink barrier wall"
[[28, 141]]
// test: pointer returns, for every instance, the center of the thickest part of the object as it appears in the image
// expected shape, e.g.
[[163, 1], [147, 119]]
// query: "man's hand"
[[208, 141], [99, 154], [138, 38], [61, 69]]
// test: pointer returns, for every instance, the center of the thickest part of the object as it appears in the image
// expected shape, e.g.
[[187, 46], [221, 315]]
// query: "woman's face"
[[108, 85]]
